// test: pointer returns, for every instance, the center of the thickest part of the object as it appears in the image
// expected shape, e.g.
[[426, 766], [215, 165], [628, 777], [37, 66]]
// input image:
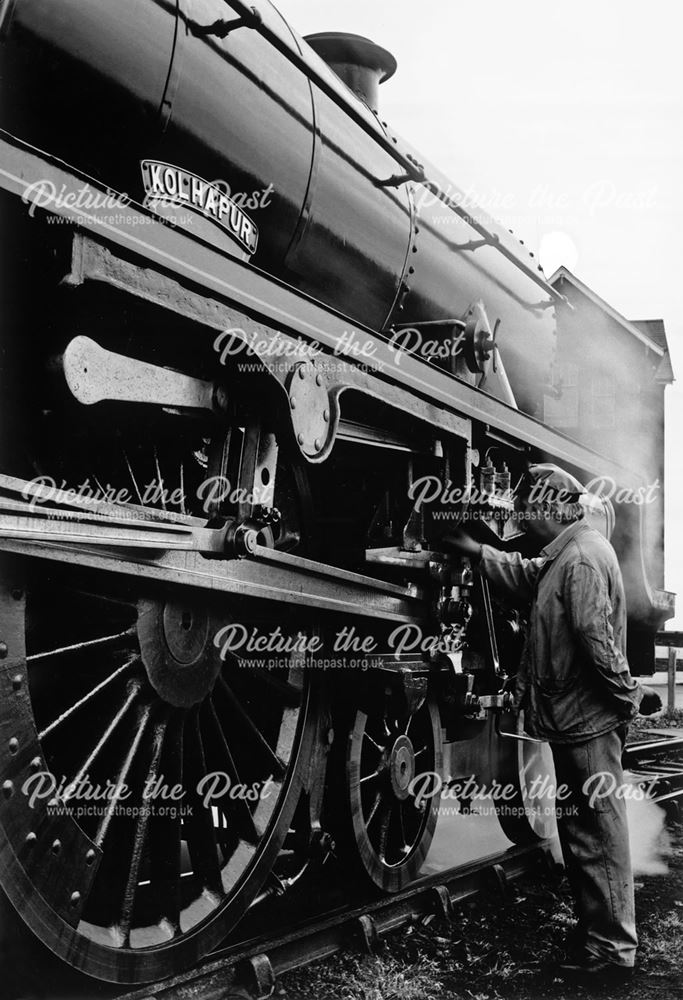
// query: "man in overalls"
[[577, 693]]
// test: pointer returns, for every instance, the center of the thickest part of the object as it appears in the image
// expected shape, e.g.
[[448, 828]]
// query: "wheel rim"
[[131, 898], [386, 751], [125, 686]]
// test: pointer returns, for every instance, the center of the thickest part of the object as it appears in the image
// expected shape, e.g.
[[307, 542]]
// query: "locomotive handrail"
[[414, 170]]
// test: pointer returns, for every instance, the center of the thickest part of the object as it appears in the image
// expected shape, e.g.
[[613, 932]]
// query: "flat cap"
[[550, 482]]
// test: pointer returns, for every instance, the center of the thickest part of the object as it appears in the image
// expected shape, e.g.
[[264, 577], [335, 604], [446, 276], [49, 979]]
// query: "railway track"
[[658, 762], [251, 967]]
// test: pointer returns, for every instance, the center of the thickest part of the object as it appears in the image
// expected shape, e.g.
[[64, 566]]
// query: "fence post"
[[671, 679]]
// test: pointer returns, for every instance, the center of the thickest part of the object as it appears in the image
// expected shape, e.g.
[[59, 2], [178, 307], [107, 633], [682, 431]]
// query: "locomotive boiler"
[[258, 357]]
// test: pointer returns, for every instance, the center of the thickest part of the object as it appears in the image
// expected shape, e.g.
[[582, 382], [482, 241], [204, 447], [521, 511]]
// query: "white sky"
[[564, 119]]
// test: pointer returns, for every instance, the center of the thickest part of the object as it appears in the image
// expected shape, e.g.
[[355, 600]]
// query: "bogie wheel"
[[387, 749]]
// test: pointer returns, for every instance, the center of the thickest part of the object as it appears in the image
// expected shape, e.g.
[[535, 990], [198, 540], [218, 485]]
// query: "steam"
[[650, 841], [627, 430], [462, 838]]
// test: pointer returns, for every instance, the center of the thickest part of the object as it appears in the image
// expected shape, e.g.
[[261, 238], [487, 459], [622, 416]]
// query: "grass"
[[502, 948], [671, 718], [499, 949], [662, 941], [382, 977]]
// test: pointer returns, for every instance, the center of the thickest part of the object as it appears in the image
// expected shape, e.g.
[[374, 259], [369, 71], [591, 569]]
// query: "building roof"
[[654, 329], [649, 332]]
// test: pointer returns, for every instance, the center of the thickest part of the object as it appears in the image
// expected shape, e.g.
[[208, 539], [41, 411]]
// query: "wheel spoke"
[[139, 839], [244, 818], [392, 836], [183, 509], [165, 836], [106, 736], [106, 640], [100, 487], [86, 698], [370, 777], [199, 826], [384, 832], [278, 766], [367, 736], [124, 772], [406, 844], [375, 806], [130, 700], [159, 479], [132, 476]]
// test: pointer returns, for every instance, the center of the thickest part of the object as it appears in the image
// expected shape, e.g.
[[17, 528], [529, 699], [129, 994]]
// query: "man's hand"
[[459, 541], [650, 703]]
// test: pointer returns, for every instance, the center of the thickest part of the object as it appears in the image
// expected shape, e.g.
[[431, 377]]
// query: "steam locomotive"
[[249, 379]]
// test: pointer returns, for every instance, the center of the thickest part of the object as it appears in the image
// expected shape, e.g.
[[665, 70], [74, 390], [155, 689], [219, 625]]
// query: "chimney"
[[357, 61]]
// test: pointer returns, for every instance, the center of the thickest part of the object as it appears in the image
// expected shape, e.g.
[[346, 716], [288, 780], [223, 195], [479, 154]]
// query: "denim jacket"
[[574, 681]]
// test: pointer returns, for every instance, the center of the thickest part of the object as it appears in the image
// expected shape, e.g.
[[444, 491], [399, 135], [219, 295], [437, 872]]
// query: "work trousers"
[[593, 832]]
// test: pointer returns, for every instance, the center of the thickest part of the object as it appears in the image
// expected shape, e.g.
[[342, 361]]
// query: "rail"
[[251, 968]]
